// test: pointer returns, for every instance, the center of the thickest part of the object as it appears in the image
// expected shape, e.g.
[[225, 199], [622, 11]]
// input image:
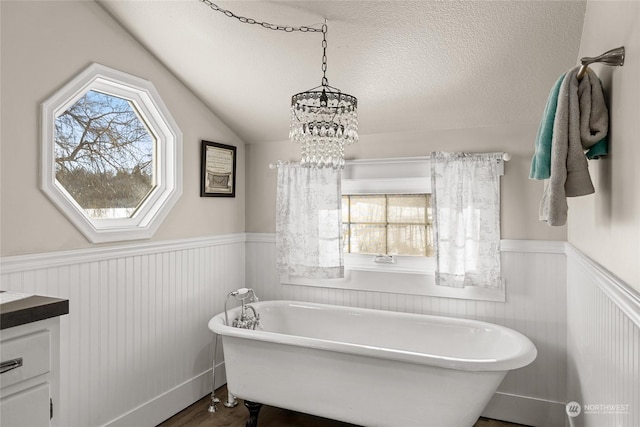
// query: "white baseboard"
[[525, 410], [173, 401]]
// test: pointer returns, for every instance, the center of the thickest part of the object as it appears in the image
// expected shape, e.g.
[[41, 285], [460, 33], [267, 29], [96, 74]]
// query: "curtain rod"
[[505, 157]]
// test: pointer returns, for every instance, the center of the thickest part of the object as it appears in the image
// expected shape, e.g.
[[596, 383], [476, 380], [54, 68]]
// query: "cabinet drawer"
[[28, 408], [33, 349]]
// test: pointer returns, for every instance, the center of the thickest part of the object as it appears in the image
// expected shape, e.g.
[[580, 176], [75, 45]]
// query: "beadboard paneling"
[[137, 324], [135, 348], [603, 333], [535, 273]]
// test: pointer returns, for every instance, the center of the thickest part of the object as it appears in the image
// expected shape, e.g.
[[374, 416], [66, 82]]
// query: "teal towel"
[[599, 149], [541, 161]]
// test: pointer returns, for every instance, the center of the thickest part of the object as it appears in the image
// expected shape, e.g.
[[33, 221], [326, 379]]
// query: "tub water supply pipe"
[[214, 399], [244, 321]]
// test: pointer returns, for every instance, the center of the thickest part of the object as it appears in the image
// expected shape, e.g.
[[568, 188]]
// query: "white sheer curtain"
[[466, 206], [308, 223]]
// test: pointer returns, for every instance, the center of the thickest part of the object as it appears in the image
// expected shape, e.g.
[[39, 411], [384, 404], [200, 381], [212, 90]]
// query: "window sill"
[[401, 279], [401, 264], [397, 279]]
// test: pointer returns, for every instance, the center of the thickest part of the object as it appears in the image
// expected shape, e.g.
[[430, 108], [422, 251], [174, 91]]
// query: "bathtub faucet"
[[244, 320]]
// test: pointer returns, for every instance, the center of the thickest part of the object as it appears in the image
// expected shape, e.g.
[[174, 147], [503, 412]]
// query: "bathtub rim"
[[526, 354]]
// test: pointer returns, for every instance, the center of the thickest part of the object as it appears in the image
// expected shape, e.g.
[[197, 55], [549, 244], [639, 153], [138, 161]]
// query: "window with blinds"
[[392, 224]]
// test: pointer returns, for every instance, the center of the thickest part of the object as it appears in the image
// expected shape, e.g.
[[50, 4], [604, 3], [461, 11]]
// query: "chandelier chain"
[[244, 20], [287, 28], [325, 82], [323, 122]]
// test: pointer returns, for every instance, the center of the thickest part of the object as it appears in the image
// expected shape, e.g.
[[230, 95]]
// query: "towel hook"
[[611, 57]]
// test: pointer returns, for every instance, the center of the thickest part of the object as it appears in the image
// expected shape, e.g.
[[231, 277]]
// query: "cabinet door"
[[27, 408]]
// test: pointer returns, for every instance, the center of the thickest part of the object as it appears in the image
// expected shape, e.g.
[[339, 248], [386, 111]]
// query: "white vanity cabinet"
[[29, 383], [30, 371]]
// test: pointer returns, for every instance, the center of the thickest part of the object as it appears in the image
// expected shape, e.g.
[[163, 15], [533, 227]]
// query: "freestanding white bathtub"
[[369, 367]]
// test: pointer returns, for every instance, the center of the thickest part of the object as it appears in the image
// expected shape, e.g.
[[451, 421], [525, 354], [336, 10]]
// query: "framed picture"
[[218, 178]]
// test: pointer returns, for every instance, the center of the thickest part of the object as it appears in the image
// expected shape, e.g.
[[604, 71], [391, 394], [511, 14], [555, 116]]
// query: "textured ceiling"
[[413, 65]]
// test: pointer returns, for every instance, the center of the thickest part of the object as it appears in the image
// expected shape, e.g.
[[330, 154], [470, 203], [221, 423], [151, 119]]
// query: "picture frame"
[[218, 170]]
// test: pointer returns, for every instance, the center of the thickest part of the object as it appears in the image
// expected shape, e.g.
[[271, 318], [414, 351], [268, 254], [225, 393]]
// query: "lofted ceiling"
[[413, 65]]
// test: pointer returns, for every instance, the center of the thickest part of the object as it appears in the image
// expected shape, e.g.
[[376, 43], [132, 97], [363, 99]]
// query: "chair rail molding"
[[626, 298], [17, 263]]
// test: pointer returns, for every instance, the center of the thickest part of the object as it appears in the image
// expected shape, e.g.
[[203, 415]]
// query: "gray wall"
[[606, 225], [520, 196], [44, 45]]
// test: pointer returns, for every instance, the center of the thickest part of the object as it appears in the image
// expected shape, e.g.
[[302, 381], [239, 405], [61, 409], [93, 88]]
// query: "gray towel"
[[582, 119]]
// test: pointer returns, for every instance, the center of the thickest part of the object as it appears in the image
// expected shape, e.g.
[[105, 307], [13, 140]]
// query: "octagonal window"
[[111, 155], [104, 155]]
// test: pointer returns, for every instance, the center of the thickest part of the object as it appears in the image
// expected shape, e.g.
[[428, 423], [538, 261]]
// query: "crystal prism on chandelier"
[[323, 121]]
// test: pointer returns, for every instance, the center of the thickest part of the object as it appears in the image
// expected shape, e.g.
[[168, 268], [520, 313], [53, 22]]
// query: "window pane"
[[345, 238], [345, 209], [429, 236], [407, 240], [368, 239], [396, 224], [104, 155], [407, 208], [368, 209]]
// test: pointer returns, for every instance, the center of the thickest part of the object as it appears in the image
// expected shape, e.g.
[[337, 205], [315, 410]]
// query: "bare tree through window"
[[104, 155]]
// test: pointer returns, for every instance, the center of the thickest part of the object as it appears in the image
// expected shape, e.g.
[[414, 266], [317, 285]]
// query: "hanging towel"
[[599, 149], [594, 117], [541, 161], [582, 121]]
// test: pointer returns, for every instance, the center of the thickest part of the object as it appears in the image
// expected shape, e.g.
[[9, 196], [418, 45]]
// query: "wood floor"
[[197, 415]]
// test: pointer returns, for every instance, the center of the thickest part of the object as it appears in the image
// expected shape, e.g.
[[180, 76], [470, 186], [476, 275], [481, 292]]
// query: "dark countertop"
[[31, 309]]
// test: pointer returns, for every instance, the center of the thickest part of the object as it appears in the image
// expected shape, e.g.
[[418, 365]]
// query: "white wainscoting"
[[603, 333], [535, 274], [135, 347]]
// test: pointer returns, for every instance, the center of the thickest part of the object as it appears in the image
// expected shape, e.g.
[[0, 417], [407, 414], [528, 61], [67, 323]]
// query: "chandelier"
[[323, 119]]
